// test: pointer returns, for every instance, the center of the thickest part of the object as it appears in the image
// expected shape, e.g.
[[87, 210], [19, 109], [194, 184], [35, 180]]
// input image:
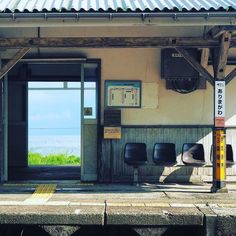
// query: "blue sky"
[[56, 112]]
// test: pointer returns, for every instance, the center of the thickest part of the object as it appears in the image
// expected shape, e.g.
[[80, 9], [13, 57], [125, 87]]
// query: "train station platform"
[[149, 209]]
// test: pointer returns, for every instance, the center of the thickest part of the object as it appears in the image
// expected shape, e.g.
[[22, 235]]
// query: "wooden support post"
[[219, 145], [205, 57], [222, 56]]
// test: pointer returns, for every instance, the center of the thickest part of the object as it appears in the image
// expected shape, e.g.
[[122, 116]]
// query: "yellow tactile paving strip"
[[42, 194]]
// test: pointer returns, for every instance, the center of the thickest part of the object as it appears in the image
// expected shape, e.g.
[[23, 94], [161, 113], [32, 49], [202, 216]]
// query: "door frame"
[[79, 61]]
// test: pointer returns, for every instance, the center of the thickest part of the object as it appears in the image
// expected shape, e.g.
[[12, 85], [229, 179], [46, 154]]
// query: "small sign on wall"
[[123, 93], [88, 111], [219, 103], [112, 132]]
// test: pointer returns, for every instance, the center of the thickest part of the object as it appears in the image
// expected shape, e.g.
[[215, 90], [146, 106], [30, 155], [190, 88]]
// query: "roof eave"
[[54, 19]]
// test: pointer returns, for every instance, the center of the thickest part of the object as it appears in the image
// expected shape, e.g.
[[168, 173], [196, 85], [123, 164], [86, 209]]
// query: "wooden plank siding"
[[121, 172]]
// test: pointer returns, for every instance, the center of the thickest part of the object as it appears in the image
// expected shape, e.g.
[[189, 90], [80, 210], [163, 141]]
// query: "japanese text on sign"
[[112, 132], [220, 155], [220, 103], [123, 93]]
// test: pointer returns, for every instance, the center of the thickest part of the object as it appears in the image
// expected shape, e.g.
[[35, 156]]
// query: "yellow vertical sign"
[[220, 155]]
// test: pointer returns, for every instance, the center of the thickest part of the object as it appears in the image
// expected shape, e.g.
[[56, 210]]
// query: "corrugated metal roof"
[[115, 5]]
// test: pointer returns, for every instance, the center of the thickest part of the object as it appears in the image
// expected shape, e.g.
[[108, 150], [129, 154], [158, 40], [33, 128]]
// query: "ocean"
[[55, 144]]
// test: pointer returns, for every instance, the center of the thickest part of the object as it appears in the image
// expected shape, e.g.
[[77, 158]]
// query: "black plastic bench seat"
[[135, 154], [230, 163], [193, 154], [164, 154], [229, 155]]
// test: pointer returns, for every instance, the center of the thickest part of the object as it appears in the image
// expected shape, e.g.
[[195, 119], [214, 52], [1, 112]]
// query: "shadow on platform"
[[44, 173]]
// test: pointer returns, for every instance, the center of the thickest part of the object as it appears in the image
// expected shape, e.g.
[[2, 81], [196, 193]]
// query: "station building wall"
[[173, 117]]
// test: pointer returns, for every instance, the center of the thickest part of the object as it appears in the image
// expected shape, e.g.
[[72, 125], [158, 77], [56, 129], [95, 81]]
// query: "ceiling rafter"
[[12, 62]]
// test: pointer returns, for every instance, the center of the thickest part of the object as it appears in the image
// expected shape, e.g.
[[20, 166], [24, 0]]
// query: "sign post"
[[219, 144]]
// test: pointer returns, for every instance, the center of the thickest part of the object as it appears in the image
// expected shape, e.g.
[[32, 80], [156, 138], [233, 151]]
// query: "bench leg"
[[135, 175]]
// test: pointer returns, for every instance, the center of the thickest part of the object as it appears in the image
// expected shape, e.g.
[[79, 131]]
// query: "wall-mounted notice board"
[[123, 93]]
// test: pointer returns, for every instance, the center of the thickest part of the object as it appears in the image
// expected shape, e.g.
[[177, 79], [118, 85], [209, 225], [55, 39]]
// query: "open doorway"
[[52, 125], [54, 122]]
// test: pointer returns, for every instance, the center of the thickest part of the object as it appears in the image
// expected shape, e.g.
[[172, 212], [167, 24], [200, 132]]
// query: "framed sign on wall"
[[123, 93]]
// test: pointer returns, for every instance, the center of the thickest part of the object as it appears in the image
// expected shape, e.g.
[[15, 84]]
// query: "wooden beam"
[[220, 56], [214, 57], [109, 42], [217, 31], [230, 76], [205, 57], [202, 71], [10, 64], [204, 62]]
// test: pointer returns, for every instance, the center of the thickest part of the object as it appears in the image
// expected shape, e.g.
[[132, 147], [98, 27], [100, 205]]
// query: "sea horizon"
[[54, 144]]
